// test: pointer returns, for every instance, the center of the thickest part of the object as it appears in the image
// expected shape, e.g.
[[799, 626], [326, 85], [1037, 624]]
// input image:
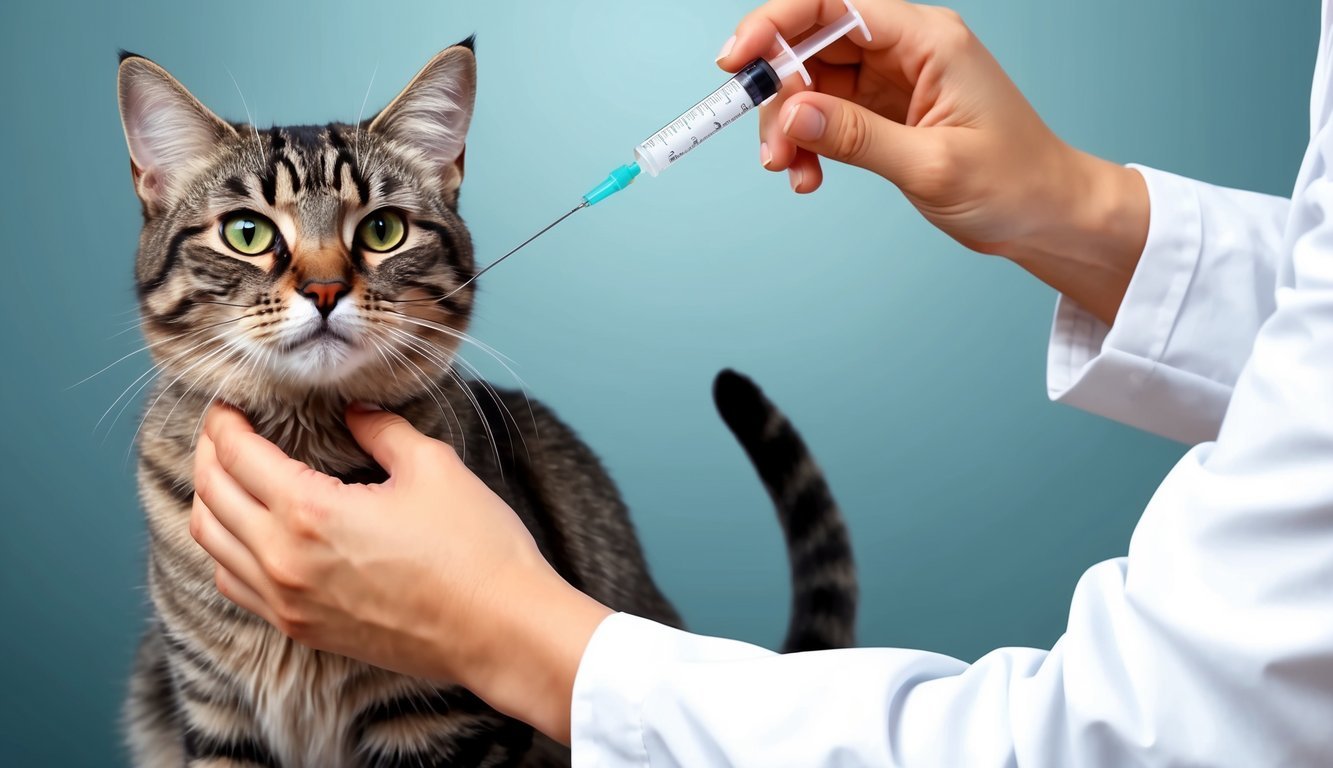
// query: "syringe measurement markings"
[[718, 110], [754, 85]]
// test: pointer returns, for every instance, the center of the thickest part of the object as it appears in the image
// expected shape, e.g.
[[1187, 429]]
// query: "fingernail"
[[797, 176], [765, 155], [363, 407], [726, 48], [804, 123]]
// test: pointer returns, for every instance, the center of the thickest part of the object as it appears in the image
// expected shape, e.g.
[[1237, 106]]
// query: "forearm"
[[525, 660], [1089, 245]]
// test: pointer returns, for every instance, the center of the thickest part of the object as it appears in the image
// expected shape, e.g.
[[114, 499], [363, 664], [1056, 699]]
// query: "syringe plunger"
[[792, 59], [756, 83]]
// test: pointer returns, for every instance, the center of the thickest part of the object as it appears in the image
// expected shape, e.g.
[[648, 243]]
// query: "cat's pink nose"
[[325, 293]]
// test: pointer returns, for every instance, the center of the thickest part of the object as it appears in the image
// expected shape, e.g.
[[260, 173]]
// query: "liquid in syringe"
[[755, 84]]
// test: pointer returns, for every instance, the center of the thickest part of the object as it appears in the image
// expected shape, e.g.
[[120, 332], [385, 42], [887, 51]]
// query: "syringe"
[[756, 83]]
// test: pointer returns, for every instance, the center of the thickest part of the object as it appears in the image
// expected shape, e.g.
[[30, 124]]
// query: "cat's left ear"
[[432, 113]]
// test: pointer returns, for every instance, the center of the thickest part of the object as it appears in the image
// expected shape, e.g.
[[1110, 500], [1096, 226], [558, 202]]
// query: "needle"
[[519, 247]]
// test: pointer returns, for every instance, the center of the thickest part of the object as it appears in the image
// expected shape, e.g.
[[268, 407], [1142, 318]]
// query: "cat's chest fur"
[[309, 708], [313, 431], [301, 700]]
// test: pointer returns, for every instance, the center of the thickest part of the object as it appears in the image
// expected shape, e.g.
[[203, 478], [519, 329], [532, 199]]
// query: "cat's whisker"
[[463, 336], [447, 366], [130, 324], [460, 335], [146, 347], [263, 154], [356, 133], [151, 375], [227, 345], [156, 367], [495, 354], [243, 365], [384, 351], [224, 304], [198, 380], [507, 415], [431, 388], [164, 390], [423, 299], [393, 370], [120, 360], [133, 325], [374, 340]]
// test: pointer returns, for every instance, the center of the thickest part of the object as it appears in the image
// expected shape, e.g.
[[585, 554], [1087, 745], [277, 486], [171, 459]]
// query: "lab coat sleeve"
[[1210, 644], [1201, 290]]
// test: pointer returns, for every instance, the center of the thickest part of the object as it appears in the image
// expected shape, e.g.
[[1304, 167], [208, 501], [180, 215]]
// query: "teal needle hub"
[[614, 182]]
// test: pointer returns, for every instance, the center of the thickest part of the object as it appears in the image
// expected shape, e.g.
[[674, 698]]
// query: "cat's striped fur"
[[214, 685]]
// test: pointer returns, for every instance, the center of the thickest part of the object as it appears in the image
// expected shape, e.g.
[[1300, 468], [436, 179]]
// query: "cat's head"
[[285, 260]]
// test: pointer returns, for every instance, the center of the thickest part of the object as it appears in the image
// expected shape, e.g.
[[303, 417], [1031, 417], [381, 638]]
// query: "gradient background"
[[915, 369]]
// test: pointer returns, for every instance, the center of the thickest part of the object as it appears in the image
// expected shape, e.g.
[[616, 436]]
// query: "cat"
[[290, 272]]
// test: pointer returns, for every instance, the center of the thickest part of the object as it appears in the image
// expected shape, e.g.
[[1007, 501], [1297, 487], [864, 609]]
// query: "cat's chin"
[[322, 362]]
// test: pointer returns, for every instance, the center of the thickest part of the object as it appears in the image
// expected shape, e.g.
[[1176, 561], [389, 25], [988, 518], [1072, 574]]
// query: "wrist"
[[1090, 243], [525, 663]]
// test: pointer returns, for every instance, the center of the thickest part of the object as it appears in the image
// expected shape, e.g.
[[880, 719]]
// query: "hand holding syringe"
[[755, 84], [927, 107]]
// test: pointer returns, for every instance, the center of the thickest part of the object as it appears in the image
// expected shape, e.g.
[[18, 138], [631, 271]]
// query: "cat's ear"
[[432, 113], [168, 131]]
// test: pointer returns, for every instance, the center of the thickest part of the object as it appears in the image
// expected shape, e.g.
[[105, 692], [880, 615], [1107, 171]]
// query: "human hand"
[[429, 574], [926, 106]]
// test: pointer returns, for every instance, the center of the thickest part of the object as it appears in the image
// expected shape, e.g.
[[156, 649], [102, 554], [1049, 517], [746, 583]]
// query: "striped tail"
[[824, 588]]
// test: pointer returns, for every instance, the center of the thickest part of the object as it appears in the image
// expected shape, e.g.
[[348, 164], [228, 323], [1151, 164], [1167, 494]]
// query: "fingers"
[[805, 174], [389, 438], [755, 34], [237, 591], [776, 151], [258, 466], [841, 130], [779, 150], [243, 516], [223, 546]]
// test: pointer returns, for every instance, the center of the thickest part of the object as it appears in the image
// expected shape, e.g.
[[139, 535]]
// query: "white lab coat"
[[1211, 644]]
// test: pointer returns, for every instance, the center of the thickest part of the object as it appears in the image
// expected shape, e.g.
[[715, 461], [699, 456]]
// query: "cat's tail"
[[824, 590]]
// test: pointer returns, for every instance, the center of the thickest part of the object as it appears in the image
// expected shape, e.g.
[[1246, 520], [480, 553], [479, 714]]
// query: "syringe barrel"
[[749, 88]]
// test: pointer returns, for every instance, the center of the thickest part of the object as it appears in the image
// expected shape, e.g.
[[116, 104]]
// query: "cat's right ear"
[[168, 131]]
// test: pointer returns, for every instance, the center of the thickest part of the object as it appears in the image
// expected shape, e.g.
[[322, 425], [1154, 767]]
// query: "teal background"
[[915, 369]]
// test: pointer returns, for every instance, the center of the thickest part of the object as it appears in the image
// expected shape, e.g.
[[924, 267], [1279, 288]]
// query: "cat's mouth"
[[322, 335], [321, 355]]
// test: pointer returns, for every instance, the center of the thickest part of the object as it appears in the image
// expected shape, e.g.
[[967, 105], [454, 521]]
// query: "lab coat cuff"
[[614, 676], [1115, 371], [623, 689], [1165, 270]]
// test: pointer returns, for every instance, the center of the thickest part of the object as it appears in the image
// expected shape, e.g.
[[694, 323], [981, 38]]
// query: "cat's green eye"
[[382, 230], [249, 234]]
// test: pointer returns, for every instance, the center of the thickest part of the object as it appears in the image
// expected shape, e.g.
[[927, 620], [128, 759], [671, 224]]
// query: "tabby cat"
[[292, 271]]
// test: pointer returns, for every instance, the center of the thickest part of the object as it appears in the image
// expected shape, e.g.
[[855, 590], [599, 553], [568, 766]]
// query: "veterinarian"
[[1195, 312]]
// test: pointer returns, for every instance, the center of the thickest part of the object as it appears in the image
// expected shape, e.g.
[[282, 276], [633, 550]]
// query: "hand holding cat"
[[926, 106], [429, 574]]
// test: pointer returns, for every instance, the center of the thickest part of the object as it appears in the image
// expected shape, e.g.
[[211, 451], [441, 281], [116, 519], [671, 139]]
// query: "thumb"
[[389, 438], [849, 133]]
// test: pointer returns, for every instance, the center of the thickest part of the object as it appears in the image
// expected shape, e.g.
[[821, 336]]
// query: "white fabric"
[[1203, 287], [1211, 644]]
